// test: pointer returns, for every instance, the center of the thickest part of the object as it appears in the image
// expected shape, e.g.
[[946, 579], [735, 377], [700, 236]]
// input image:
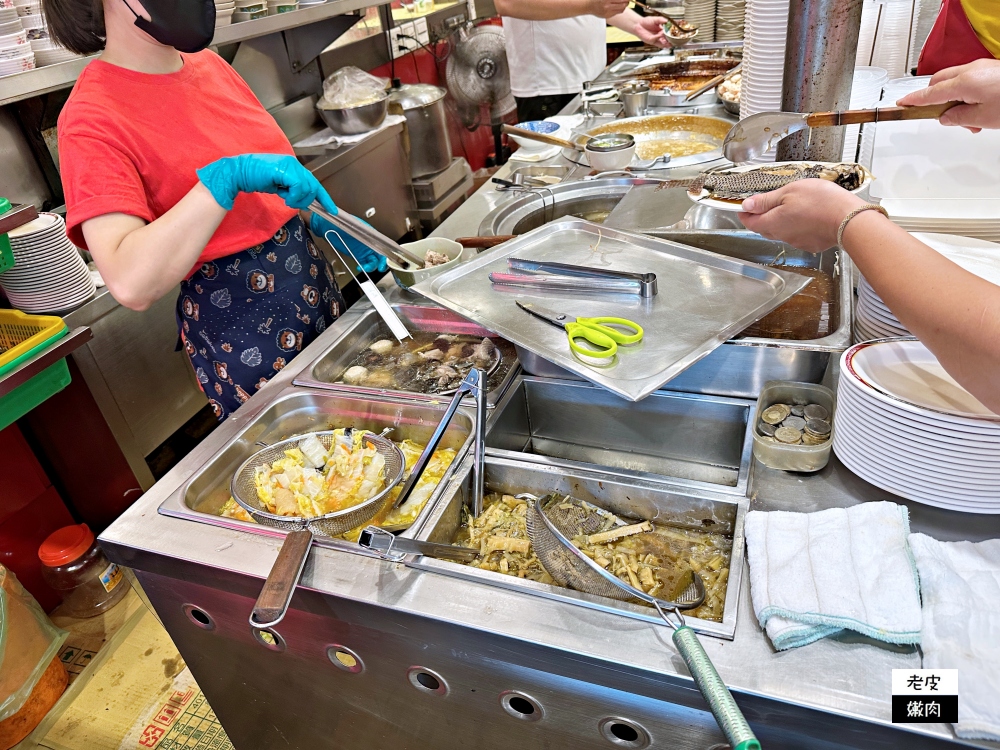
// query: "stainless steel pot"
[[355, 120], [427, 126]]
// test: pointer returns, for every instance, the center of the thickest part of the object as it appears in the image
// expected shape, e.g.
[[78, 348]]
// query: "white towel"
[[960, 586], [814, 574]]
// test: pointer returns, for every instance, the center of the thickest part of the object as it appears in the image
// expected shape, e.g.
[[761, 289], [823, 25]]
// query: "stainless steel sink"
[[298, 411], [619, 493], [326, 370], [687, 439], [741, 366]]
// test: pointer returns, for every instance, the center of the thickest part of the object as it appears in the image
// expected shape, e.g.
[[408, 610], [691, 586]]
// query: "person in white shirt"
[[553, 46]]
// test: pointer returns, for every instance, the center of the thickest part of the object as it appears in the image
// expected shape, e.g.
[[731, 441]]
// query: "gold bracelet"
[[855, 212]]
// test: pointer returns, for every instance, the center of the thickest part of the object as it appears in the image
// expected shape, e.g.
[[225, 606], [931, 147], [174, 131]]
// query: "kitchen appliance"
[[427, 126]]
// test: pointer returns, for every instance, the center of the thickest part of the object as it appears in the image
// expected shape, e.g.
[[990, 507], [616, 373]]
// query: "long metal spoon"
[[759, 133], [683, 26]]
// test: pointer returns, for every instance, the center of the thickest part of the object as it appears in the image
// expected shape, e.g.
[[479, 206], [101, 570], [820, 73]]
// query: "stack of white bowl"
[[763, 60], [16, 55], [701, 13], [46, 51], [48, 274], [224, 10], [924, 14], [866, 90], [870, 12], [903, 424], [933, 178], [874, 320], [892, 40], [308, 3], [730, 18]]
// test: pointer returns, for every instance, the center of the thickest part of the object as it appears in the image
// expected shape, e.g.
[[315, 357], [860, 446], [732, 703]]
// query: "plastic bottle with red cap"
[[72, 562]]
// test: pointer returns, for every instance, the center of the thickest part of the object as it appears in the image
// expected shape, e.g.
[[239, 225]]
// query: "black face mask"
[[185, 25]]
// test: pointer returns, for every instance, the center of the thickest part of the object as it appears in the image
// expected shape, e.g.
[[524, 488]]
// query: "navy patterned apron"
[[245, 316]]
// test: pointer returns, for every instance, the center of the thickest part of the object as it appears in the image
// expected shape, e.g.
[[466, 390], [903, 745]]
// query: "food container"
[[73, 564], [329, 367], [611, 151], [805, 458], [408, 277], [354, 120], [686, 439], [627, 496], [634, 96], [296, 411], [426, 124]]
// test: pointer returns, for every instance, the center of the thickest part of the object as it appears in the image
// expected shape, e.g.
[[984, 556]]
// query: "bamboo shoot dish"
[[653, 557]]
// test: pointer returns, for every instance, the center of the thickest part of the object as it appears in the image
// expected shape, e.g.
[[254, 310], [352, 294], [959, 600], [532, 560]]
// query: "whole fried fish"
[[737, 186]]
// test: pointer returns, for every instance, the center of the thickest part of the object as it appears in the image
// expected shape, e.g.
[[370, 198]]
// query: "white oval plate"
[[731, 206]]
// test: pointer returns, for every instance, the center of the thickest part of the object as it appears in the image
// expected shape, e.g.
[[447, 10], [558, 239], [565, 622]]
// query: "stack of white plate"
[[866, 90], [224, 10], [16, 55], [701, 13], [730, 17], [308, 3], [903, 424], [933, 178], [763, 60], [874, 320], [48, 274], [870, 12]]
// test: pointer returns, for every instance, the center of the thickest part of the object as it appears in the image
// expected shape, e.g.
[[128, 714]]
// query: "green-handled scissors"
[[597, 331]]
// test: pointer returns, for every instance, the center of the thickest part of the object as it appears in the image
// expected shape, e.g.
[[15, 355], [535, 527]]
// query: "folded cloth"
[[960, 586], [814, 574], [327, 137], [534, 156]]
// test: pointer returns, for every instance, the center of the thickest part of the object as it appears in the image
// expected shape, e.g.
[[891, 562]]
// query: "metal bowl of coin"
[[793, 426]]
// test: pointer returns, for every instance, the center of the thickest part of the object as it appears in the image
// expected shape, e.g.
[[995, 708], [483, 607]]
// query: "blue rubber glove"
[[263, 173], [368, 259]]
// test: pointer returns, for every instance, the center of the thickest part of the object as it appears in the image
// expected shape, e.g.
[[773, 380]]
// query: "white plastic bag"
[[28, 643], [351, 87]]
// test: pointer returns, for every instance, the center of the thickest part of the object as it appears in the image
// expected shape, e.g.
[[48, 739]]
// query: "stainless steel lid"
[[413, 95], [610, 142]]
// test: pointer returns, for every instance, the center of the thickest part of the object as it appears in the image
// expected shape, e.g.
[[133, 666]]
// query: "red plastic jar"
[[73, 563]]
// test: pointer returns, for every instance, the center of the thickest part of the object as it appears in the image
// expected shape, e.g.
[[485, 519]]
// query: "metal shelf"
[[62, 75], [29, 368]]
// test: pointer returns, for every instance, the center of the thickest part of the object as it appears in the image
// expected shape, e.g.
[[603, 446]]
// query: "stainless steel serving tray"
[[742, 366], [296, 411], [688, 440], [704, 299], [697, 509], [369, 328]]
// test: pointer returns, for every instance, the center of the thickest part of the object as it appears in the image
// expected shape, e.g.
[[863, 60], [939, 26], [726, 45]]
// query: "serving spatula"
[[759, 133]]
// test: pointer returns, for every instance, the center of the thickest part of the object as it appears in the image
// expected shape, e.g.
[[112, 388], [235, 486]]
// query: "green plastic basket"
[[28, 395]]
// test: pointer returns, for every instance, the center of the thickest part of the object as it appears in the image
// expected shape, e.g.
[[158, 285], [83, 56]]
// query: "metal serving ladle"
[[759, 133]]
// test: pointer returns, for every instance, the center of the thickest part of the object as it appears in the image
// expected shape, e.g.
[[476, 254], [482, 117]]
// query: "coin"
[[815, 411], [818, 427], [766, 429], [767, 438], [796, 423], [787, 435], [776, 414], [798, 410], [808, 439]]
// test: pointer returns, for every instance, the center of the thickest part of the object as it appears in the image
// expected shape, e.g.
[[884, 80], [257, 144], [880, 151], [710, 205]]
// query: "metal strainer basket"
[[272, 604], [549, 531], [244, 490]]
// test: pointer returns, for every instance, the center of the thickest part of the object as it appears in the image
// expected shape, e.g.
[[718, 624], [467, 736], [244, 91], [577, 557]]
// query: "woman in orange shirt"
[[175, 174]]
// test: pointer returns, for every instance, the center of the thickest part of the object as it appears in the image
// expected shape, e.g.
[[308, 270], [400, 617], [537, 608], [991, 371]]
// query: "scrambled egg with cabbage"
[[311, 481]]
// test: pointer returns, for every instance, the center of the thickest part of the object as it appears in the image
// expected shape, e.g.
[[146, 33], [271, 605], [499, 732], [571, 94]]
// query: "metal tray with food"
[[686, 139], [368, 360], [206, 497], [793, 342], [687, 439], [691, 530], [705, 299], [671, 82]]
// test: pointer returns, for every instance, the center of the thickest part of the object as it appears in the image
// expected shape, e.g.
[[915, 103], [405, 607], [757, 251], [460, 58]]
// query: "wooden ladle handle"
[[883, 114], [541, 137]]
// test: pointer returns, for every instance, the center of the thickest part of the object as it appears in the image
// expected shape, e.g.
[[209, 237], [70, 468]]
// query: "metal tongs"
[[370, 236], [391, 547], [563, 277]]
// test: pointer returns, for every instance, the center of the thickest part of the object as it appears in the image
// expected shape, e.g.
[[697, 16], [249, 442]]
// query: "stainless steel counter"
[[435, 659]]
